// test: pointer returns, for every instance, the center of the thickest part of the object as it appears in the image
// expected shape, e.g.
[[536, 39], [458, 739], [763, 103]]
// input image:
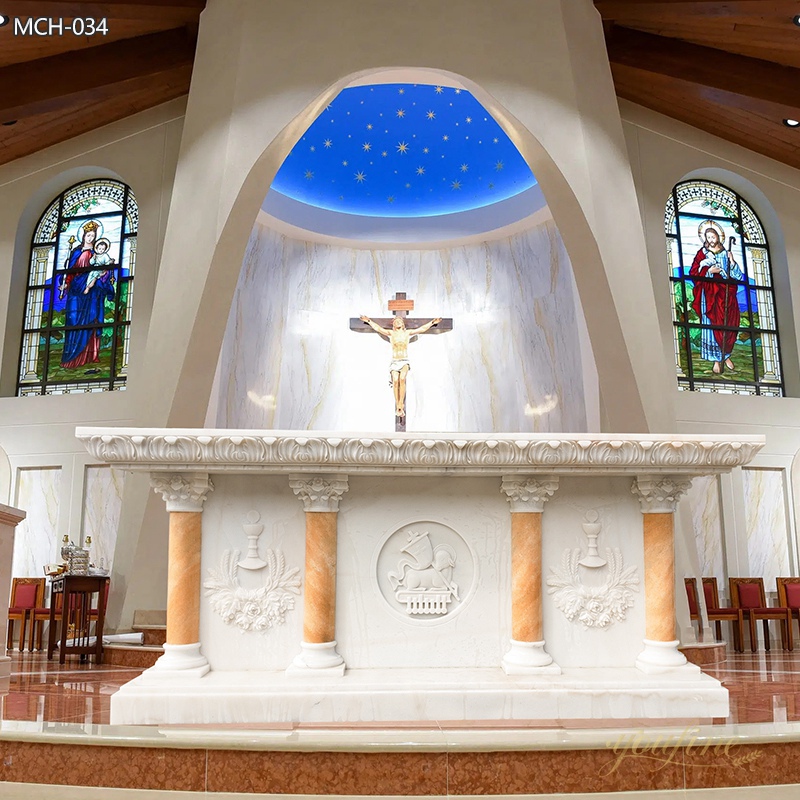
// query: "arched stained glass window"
[[723, 301], [76, 331]]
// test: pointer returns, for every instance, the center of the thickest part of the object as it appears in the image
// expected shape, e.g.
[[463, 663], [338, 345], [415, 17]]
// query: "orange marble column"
[[184, 494], [320, 495], [527, 497], [658, 499]]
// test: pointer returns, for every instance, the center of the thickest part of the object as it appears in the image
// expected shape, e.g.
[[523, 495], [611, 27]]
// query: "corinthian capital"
[[319, 492], [659, 494], [528, 494], [182, 491]]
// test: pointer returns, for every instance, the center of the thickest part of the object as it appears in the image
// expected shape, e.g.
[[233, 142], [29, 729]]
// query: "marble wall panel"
[[36, 542], [704, 502], [767, 531], [512, 361], [102, 500]]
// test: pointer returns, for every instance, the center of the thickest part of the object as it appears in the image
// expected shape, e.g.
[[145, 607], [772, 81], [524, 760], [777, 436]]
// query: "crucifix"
[[400, 331]]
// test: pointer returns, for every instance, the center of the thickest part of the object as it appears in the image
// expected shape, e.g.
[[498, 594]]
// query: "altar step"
[[153, 626]]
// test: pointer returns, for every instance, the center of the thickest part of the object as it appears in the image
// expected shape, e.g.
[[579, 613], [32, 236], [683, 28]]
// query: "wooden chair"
[[694, 605], [26, 594], [40, 615], [718, 614], [748, 594], [789, 595]]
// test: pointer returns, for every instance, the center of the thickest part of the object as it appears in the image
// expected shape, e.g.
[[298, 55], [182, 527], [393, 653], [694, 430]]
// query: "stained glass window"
[[76, 330], [723, 302]]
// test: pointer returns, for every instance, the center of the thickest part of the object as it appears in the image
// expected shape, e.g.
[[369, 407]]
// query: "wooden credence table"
[[75, 616]]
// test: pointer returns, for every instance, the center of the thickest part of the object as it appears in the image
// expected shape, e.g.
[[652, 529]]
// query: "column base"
[[529, 658], [317, 659], [179, 660], [663, 657]]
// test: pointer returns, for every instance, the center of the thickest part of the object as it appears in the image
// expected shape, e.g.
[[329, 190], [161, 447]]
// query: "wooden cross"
[[400, 306]]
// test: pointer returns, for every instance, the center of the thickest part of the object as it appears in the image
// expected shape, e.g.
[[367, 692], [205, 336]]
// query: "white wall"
[[662, 153]]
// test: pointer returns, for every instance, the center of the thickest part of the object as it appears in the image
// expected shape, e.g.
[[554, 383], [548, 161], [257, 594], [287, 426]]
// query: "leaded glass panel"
[[80, 289], [723, 305]]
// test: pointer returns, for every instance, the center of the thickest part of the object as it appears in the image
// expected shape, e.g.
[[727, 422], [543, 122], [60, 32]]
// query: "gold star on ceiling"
[[402, 147], [495, 140], [498, 166], [438, 90], [390, 198], [408, 186], [385, 153], [458, 91], [312, 148], [328, 143], [401, 91], [445, 138], [360, 177], [464, 167], [469, 119], [366, 147], [309, 174], [344, 163], [400, 113], [426, 149], [431, 115], [420, 170], [369, 126], [455, 185]]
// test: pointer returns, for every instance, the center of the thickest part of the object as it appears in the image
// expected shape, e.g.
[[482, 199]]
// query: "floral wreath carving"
[[253, 609], [594, 606]]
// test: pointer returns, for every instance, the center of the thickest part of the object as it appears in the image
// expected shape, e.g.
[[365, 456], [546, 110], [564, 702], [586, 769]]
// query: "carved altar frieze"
[[425, 570]]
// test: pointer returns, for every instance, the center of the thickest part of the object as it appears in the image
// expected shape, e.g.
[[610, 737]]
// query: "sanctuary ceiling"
[[731, 68]]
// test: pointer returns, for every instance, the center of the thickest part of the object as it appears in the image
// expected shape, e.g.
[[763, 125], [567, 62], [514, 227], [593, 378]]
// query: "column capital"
[[659, 494], [526, 493], [319, 492], [182, 491]]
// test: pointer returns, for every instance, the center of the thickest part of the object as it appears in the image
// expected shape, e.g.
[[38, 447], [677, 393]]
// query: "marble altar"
[[344, 578], [9, 519]]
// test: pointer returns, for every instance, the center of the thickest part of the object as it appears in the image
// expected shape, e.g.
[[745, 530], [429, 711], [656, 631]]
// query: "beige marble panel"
[[102, 500], [767, 532], [36, 542], [704, 502]]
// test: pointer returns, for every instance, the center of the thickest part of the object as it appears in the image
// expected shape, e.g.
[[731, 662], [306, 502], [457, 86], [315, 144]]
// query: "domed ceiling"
[[403, 150]]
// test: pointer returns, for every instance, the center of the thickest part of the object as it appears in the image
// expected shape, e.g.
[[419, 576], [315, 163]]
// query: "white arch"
[[5, 478]]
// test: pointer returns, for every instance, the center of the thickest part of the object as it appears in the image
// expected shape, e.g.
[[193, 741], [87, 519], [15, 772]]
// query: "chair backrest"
[[711, 592], [748, 592], [691, 596], [788, 592], [26, 592]]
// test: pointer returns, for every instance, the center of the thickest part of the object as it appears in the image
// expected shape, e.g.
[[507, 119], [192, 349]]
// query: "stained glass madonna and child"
[[723, 310], [76, 333]]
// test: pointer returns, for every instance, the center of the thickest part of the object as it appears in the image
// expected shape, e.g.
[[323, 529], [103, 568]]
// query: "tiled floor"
[[763, 688]]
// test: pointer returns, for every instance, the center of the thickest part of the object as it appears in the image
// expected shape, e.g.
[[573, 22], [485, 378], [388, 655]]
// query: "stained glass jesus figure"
[[399, 337]]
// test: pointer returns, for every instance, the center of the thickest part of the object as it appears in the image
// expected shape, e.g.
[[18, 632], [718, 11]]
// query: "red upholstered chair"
[[40, 615], [789, 595], [718, 615], [26, 594], [748, 594], [694, 605]]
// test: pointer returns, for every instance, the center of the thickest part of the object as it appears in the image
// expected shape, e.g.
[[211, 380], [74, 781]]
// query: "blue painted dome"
[[403, 150]]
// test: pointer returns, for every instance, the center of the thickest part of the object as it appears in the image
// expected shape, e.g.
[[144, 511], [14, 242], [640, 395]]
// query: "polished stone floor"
[[764, 688]]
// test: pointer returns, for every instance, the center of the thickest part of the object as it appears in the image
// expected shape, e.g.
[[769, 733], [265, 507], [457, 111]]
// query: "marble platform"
[[432, 695]]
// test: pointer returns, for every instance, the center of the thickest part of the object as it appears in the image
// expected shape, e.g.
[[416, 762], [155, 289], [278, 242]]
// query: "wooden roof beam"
[[60, 81], [170, 11], [706, 66]]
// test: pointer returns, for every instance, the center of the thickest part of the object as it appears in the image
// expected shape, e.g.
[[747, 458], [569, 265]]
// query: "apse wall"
[[512, 362]]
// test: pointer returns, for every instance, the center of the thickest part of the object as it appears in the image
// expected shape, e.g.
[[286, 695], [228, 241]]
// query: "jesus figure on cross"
[[399, 337]]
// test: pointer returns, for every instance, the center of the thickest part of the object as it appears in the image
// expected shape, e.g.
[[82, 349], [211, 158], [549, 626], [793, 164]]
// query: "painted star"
[[438, 90], [390, 198], [369, 126], [385, 153], [360, 177], [491, 186], [344, 163], [402, 147], [401, 91], [366, 147], [455, 185], [469, 119], [498, 166], [312, 148], [431, 115], [328, 143], [458, 91], [445, 138], [495, 140], [408, 186], [426, 149], [309, 174], [420, 170], [400, 113], [464, 167]]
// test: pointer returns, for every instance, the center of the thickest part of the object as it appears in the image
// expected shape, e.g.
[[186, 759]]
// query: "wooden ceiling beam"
[[620, 9], [170, 11], [67, 79], [706, 66]]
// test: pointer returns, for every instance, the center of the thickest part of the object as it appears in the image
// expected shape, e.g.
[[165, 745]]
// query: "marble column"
[[527, 497], [184, 494], [320, 495], [658, 497]]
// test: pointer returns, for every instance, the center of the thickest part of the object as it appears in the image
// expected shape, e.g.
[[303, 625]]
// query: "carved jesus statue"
[[399, 337]]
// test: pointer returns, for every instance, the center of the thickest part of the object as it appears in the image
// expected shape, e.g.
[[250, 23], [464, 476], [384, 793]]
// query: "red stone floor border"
[[763, 689]]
